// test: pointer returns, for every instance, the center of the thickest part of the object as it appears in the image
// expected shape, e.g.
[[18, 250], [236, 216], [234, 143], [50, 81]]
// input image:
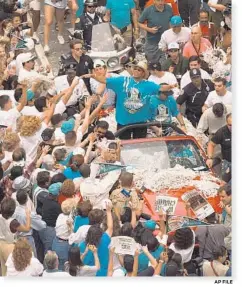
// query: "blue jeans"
[[47, 236], [32, 243], [61, 247]]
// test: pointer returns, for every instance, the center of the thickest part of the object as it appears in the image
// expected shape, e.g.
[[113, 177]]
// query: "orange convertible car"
[[175, 148]]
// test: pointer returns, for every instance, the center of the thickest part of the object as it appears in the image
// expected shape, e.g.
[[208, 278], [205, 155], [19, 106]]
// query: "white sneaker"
[[46, 49], [35, 37], [61, 39]]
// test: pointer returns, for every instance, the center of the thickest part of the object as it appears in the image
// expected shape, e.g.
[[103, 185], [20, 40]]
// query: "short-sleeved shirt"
[[156, 18], [9, 118], [189, 49], [224, 137], [71, 174], [144, 260], [180, 68], [133, 99], [80, 221], [120, 12], [214, 98], [103, 254], [167, 108]]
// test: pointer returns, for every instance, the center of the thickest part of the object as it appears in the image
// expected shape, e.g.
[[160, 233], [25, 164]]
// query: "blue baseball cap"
[[30, 95], [68, 126], [150, 224], [54, 188], [176, 21]]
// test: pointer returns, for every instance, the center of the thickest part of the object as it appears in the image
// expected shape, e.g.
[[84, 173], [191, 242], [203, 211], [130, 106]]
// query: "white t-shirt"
[[186, 79], [35, 268], [169, 37], [9, 118], [55, 274], [61, 84], [61, 227], [30, 144], [24, 74], [214, 98], [31, 111], [59, 134], [169, 79]]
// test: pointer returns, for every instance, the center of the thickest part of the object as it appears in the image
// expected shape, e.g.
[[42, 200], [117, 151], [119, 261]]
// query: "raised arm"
[[152, 260], [69, 91], [109, 230], [136, 263], [23, 100], [98, 108], [110, 263]]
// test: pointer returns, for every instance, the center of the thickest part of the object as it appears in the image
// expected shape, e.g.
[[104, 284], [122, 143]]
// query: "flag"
[[174, 222], [107, 167]]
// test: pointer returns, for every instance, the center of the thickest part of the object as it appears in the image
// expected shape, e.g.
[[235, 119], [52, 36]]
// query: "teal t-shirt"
[[120, 12], [144, 260], [71, 174], [132, 99], [166, 108]]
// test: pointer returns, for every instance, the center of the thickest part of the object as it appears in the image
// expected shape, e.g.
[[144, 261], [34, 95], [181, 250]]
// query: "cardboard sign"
[[166, 203], [124, 245], [199, 204], [175, 222]]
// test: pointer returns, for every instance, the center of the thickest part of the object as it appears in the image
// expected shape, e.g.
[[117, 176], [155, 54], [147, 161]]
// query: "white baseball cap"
[[26, 57], [99, 63], [173, 45]]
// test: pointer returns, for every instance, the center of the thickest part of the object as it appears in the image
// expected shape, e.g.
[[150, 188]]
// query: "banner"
[[175, 222], [124, 245], [199, 204], [166, 203], [107, 167]]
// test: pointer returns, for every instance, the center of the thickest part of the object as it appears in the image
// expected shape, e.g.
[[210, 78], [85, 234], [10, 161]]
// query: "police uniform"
[[66, 61], [195, 98], [85, 66], [85, 24]]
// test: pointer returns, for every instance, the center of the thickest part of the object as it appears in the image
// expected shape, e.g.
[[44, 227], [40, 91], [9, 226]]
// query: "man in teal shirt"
[[119, 14], [133, 95]]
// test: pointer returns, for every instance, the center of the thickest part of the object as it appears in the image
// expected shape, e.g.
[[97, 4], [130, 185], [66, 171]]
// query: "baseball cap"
[[26, 57], [47, 134], [79, 150], [150, 224], [30, 94], [142, 65], [68, 126], [20, 183], [98, 63], [54, 188], [173, 45], [176, 21], [195, 73], [57, 118]]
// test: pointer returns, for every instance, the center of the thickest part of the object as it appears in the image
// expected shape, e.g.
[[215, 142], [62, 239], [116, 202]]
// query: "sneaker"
[[35, 37], [46, 49], [61, 39]]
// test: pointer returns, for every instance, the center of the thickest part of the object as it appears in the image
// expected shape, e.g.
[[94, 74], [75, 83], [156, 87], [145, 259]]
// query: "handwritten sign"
[[123, 245], [166, 203]]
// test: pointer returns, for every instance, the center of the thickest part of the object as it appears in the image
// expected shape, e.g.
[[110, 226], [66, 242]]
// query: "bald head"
[[196, 34]]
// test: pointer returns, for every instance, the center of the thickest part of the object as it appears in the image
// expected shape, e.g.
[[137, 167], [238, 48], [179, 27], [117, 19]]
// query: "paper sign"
[[175, 222], [198, 203], [166, 203], [124, 245], [213, 2]]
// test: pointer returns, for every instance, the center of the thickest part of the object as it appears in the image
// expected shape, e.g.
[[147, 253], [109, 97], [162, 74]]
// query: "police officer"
[[87, 20], [195, 95]]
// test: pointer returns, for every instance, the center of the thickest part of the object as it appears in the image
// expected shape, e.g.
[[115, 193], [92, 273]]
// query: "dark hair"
[[75, 42], [195, 59], [226, 188], [102, 124], [3, 101], [85, 170], [21, 197], [218, 109], [40, 103], [204, 11], [95, 216], [18, 94], [113, 145], [83, 208], [59, 177], [8, 206], [19, 154], [94, 235], [220, 79], [15, 172], [128, 263], [219, 252], [76, 161], [211, 218], [126, 178], [60, 154], [126, 215], [228, 116], [70, 136], [43, 178], [74, 260], [147, 238], [183, 238], [116, 224], [126, 229], [138, 231]]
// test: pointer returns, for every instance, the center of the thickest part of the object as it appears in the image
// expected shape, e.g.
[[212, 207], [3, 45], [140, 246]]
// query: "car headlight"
[[113, 62]]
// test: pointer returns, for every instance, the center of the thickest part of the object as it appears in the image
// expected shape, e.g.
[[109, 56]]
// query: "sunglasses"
[[91, 6]]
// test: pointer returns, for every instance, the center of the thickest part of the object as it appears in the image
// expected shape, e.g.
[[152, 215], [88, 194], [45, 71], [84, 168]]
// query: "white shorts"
[[35, 5]]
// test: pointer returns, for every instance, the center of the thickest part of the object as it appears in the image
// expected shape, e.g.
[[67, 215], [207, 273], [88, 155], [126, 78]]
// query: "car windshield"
[[104, 39], [163, 154]]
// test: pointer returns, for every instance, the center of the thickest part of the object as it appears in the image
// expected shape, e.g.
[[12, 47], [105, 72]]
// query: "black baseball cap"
[[47, 134], [194, 73]]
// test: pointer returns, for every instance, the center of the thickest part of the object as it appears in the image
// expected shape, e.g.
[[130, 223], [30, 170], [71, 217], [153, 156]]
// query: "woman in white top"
[[21, 261], [183, 243]]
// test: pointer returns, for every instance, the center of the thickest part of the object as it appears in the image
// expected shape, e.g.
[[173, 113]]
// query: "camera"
[[78, 34]]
